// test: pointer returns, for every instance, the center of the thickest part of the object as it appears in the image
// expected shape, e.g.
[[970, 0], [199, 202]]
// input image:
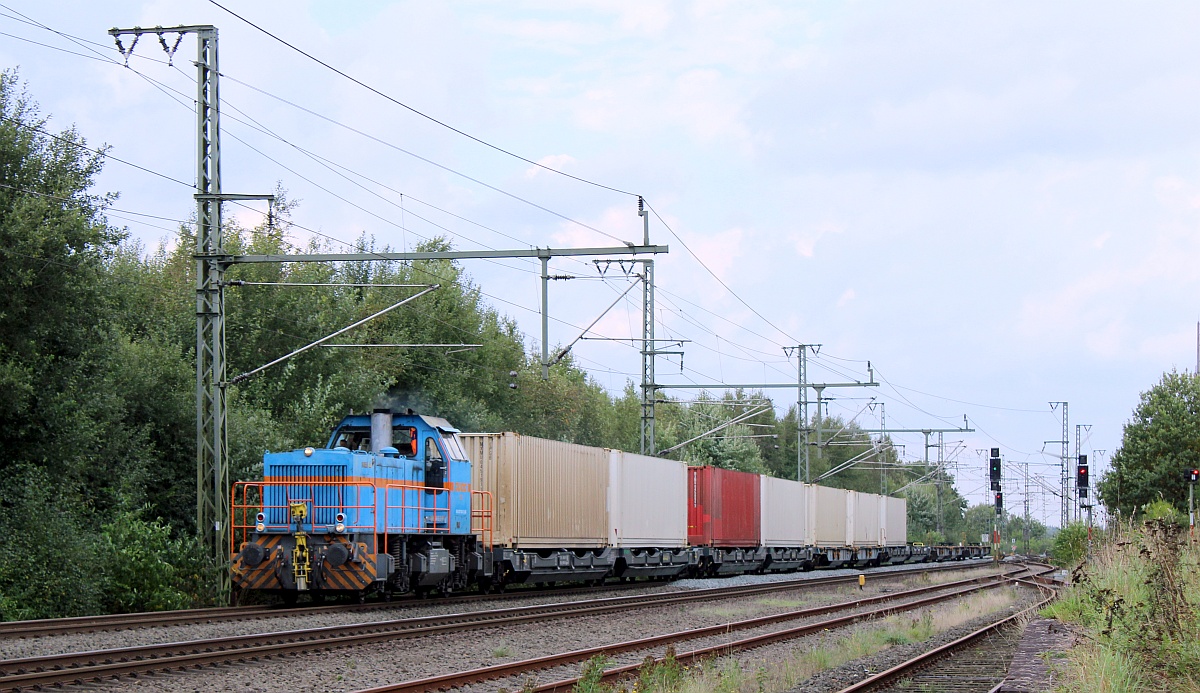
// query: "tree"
[[1159, 443]]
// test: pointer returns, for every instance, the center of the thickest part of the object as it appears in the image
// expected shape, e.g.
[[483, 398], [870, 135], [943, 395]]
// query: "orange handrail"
[[482, 513], [248, 499], [420, 507]]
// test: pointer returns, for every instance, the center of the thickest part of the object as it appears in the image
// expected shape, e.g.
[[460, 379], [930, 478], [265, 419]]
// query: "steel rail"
[[519, 667], [104, 664], [539, 611], [90, 624], [904, 669], [750, 643]]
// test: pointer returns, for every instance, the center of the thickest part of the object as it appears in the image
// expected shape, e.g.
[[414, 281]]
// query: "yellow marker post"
[[862, 580]]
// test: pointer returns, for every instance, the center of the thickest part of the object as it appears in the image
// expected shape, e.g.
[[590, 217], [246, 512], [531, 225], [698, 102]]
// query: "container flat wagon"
[[403, 502]]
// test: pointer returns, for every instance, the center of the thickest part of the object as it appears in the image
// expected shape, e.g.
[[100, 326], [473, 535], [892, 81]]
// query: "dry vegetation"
[[729, 675], [1135, 602]]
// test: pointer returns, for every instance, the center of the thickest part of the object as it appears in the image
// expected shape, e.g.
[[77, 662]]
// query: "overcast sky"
[[995, 204]]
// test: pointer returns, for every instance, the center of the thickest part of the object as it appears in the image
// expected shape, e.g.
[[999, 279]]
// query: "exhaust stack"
[[381, 430]]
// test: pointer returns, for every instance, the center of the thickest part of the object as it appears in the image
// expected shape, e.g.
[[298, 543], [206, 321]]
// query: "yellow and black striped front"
[[336, 564], [356, 573], [266, 574]]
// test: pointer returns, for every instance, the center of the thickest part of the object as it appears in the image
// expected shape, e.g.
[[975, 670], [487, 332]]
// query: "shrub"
[[1070, 544], [138, 565]]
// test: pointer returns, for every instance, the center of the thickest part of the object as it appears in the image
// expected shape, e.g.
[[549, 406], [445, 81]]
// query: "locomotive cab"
[[385, 505]]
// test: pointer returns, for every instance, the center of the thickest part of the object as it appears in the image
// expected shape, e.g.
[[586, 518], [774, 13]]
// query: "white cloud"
[[846, 297], [558, 162], [1175, 348], [805, 241]]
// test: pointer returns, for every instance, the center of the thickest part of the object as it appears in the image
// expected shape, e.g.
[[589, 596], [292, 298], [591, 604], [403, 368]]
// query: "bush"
[[138, 561], [48, 555], [1070, 544], [1162, 510], [1133, 599]]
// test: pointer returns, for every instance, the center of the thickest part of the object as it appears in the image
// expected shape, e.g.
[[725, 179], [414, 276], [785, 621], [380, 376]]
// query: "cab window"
[[453, 448], [404, 439]]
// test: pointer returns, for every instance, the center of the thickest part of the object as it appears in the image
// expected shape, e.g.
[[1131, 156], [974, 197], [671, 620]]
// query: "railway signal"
[[1081, 476], [995, 469], [1193, 475], [999, 502]]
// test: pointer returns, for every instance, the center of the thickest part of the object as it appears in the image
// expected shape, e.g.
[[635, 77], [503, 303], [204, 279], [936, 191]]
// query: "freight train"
[[398, 503]]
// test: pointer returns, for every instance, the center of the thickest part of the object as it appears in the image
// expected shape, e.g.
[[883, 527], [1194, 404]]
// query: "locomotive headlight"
[[260, 523], [341, 523], [308, 452]]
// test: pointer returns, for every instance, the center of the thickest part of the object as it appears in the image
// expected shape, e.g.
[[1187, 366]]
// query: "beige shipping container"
[[784, 509], [894, 513], [827, 516], [545, 493], [647, 501], [862, 519]]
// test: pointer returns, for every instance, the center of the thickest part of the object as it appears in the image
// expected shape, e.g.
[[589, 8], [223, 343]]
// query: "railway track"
[[91, 624], [74, 668], [464, 678], [977, 661]]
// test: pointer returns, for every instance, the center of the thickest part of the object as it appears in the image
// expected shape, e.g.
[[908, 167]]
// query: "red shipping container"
[[723, 507]]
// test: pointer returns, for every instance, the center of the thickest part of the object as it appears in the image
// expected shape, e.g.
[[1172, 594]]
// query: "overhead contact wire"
[[414, 110]]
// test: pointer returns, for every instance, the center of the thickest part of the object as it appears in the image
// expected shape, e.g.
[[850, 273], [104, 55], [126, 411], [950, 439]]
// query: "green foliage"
[[48, 558], [979, 519], [590, 680], [1134, 600], [922, 502], [932, 537], [137, 559], [1164, 511], [1070, 544], [1158, 444], [666, 675]]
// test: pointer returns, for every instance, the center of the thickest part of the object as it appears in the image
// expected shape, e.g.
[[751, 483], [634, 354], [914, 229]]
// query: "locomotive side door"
[[435, 465]]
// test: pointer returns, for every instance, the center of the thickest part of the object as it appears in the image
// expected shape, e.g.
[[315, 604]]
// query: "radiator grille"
[[321, 486]]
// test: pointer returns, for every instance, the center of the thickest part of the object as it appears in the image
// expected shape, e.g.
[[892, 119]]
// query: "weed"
[[1132, 598], [591, 679]]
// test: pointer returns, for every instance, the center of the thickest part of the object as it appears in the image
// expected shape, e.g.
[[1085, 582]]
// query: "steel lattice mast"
[[212, 443]]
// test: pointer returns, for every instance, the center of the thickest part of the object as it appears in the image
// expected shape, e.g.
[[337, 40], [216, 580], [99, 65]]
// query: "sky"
[[995, 204]]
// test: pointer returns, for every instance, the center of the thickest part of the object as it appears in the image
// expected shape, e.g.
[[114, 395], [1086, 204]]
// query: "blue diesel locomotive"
[[386, 506]]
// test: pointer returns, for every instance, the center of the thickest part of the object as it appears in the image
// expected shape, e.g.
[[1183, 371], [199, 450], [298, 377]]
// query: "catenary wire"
[[413, 110], [439, 226], [719, 280], [279, 98], [431, 162]]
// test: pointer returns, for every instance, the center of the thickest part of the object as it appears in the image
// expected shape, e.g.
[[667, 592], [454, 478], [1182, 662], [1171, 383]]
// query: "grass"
[[1136, 602], [501, 651], [728, 675], [748, 609]]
